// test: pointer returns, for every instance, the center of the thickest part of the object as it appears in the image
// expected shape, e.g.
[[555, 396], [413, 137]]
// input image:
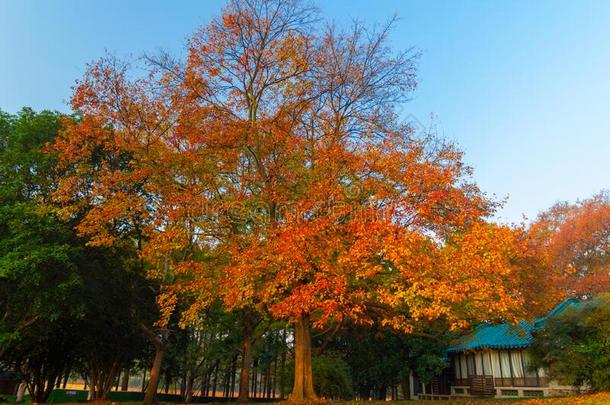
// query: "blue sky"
[[522, 86]]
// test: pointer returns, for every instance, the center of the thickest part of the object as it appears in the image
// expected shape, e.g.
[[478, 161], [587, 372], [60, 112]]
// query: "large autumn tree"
[[574, 243], [271, 169]]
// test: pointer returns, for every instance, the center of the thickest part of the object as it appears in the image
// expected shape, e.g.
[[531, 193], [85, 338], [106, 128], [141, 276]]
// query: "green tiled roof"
[[505, 335]]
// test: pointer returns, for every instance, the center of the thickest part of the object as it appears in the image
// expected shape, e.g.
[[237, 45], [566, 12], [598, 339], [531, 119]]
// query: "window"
[[515, 357], [533, 393], [471, 364], [495, 362], [505, 364], [463, 366], [486, 370], [479, 363]]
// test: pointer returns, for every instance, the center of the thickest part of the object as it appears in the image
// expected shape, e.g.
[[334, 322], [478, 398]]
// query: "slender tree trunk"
[[20, 393], [155, 371], [303, 373], [252, 377], [274, 377], [204, 384], [406, 387], [284, 355], [91, 393], [233, 375], [66, 377], [155, 374], [382, 392], [125, 380], [269, 380], [215, 381], [244, 372], [143, 380], [183, 385], [190, 379]]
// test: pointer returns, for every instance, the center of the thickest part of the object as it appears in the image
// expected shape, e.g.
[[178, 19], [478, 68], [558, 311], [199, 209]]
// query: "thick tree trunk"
[[246, 365], [155, 374], [303, 373]]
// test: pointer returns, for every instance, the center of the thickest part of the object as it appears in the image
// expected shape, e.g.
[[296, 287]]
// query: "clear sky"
[[522, 86]]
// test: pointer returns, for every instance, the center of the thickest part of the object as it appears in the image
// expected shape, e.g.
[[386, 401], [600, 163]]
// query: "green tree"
[[38, 257], [381, 359], [332, 377], [61, 302], [115, 297], [575, 345]]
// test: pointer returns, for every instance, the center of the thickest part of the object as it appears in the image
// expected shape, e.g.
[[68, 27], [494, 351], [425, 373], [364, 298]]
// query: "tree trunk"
[[183, 385], [215, 383], [303, 374], [233, 375], [406, 387], [246, 365], [284, 355], [91, 393], [20, 393], [125, 380], [188, 396], [155, 371], [382, 392], [66, 377], [155, 374], [143, 380]]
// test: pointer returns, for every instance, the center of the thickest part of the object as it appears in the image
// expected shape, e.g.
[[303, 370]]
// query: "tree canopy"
[[272, 163], [261, 205], [575, 346]]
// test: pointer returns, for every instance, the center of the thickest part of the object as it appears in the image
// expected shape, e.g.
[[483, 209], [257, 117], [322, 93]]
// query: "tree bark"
[[91, 393], [244, 372], [303, 373], [188, 396], [215, 383], [155, 373], [143, 380], [249, 320], [20, 392], [125, 380], [66, 377], [406, 386]]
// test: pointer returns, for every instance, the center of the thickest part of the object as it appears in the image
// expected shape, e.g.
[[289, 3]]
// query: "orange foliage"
[[575, 241], [271, 170]]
